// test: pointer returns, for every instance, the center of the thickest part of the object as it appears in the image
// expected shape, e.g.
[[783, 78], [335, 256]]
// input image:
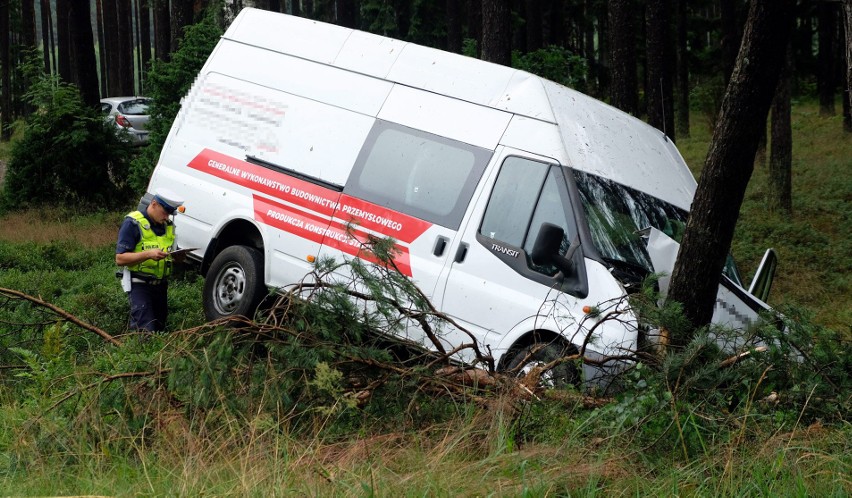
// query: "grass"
[[452, 460], [89, 446], [43, 226]]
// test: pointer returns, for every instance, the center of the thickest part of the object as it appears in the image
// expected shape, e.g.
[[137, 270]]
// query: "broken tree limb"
[[62, 313], [733, 359]]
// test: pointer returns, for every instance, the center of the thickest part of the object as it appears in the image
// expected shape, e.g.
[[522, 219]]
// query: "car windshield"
[[134, 107], [616, 214]]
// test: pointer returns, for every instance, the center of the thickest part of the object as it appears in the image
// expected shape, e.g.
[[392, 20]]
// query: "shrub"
[[555, 64], [68, 154], [706, 99]]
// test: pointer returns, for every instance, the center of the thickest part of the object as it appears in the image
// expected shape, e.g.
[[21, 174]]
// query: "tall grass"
[[460, 458]]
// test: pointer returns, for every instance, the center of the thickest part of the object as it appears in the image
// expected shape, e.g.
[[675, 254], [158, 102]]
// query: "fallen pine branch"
[[733, 359], [62, 313]]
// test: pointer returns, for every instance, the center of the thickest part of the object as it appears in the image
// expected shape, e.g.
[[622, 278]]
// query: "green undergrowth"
[[81, 280], [307, 402]]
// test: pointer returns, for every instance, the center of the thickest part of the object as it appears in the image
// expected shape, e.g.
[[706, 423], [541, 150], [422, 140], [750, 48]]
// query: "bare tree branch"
[[59, 311]]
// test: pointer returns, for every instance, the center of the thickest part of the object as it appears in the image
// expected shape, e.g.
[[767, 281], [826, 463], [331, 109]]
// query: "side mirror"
[[762, 281], [546, 248]]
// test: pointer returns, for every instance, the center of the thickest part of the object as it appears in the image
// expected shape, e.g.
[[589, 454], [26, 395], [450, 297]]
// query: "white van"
[[296, 129]]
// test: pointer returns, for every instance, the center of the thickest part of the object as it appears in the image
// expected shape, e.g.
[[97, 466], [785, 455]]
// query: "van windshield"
[[617, 213]]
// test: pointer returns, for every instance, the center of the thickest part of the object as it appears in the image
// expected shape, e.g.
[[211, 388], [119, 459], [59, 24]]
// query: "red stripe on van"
[[313, 197], [266, 181], [297, 222], [338, 238], [381, 219], [322, 231]]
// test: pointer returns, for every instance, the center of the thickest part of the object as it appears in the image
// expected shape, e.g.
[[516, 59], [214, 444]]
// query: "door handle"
[[440, 246], [461, 252]]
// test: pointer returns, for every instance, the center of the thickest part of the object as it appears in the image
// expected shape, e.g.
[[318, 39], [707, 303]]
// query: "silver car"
[[130, 114]]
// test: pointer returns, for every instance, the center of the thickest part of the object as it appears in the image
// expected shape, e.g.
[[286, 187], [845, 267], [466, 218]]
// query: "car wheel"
[[539, 354], [234, 284]]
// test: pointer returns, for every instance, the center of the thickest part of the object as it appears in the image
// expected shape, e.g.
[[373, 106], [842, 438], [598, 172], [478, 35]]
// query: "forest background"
[[79, 416]]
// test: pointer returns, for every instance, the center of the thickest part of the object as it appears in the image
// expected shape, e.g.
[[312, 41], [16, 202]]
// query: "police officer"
[[144, 241]]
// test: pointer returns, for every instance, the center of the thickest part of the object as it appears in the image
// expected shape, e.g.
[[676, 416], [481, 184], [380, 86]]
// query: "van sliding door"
[[411, 186]]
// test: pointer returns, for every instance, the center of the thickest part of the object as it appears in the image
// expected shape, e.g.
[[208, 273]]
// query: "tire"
[[563, 375], [234, 284]]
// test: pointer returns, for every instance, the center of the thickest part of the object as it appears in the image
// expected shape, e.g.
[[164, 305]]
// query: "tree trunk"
[[474, 26], [324, 9], [28, 24], [534, 25], [847, 100], [402, 18], [181, 17], [137, 38], [519, 19], [112, 48], [589, 49], [781, 148], [47, 36], [5, 73], [760, 155], [497, 31], [347, 13], [102, 58], [660, 56], [126, 68], [623, 77], [603, 73], [826, 29], [295, 8], [682, 70], [730, 162], [83, 62], [63, 41], [454, 26], [29, 46], [144, 43], [729, 36], [162, 30], [556, 33]]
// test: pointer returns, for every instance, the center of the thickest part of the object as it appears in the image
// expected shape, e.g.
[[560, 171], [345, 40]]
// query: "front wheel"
[[539, 354], [234, 284]]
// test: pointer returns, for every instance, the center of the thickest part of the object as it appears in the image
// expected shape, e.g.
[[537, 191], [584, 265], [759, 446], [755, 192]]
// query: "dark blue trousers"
[[149, 306]]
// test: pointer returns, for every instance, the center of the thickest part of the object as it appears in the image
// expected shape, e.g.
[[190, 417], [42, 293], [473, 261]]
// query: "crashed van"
[[526, 211]]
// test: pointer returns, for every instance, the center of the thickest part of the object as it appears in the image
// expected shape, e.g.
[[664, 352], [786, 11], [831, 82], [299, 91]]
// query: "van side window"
[[510, 208], [417, 173], [525, 195]]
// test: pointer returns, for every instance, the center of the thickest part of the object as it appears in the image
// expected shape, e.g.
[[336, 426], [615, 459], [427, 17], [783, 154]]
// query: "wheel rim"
[[229, 289], [547, 378]]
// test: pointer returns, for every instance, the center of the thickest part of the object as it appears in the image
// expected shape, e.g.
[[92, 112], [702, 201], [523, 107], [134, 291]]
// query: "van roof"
[[597, 138]]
